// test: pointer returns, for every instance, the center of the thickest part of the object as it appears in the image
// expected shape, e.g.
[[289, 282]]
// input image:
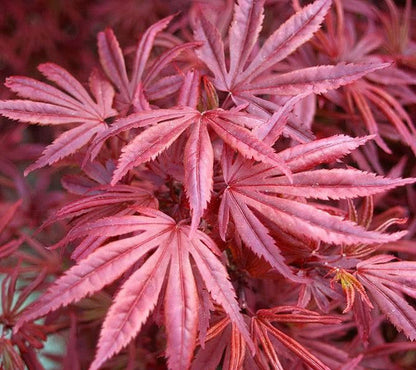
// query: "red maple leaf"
[[47, 105], [174, 261]]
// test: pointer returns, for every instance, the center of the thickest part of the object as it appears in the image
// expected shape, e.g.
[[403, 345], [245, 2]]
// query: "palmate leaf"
[[165, 126], [263, 329], [226, 348], [248, 16], [51, 106], [256, 191], [112, 61], [212, 51], [306, 156], [329, 184], [198, 150], [388, 282], [294, 32], [251, 74], [175, 258], [315, 80], [148, 144]]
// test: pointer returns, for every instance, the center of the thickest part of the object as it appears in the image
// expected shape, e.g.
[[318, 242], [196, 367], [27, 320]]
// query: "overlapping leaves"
[[255, 191], [226, 146], [175, 258], [250, 74], [166, 126], [388, 282], [224, 340]]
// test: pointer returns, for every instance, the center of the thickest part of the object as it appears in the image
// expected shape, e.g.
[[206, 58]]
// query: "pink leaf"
[[271, 130], [149, 144], [212, 51], [198, 163], [68, 83], [306, 221], [221, 290], [112, 61], [189, 93], [28, 88], [140, 119], [386, 281], [245, 142], [42, 113], [181, 307], [331, 184], [315, 80], [245, 29], [133, 304], [164, 60], [143, 50], [50, 106], [99, 269], [393, 305], [305, 156], [293, 33], [254, 234], [103, 93], [66, 144]]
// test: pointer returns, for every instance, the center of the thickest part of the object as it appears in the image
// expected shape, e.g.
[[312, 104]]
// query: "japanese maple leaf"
[[102, 201], [175, 259], [388, 282], [145, 81], [383, 91], [317, 289], [350, 286], [250, 73], [167, 125], [47, 105], [225, 343], [252, 192], [397, 24], [15, 292]]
